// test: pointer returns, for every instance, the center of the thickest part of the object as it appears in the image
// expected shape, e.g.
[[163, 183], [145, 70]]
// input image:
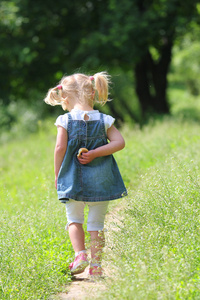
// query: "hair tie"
[[92, 80], [59, 87]]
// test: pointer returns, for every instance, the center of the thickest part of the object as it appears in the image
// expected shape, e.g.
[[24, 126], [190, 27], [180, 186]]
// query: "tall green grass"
[[35, 251], [154, 254]]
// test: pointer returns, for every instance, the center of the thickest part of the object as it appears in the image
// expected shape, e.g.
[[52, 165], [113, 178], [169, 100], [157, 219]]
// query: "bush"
[[186, 64]]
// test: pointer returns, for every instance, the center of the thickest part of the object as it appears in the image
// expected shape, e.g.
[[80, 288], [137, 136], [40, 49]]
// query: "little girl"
[[93, 177]]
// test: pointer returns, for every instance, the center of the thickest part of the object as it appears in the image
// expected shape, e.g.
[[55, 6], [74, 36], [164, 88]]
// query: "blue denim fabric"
[[100, 180]]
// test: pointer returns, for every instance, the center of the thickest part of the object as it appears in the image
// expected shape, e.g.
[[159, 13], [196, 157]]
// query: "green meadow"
[[155, 251]]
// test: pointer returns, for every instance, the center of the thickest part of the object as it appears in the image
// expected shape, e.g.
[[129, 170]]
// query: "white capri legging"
[[96, 214]]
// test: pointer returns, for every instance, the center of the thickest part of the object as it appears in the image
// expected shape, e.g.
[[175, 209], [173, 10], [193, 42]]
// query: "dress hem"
[[65, 198]]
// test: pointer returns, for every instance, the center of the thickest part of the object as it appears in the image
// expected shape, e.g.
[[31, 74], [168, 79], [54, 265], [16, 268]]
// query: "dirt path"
[[81, 288]]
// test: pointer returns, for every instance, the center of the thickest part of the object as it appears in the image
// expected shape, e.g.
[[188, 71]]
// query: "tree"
[[140, 34], [42, 42]]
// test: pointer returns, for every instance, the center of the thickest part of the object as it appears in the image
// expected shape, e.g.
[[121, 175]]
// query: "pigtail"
[[54, 96], [101, 84], [80, 88]]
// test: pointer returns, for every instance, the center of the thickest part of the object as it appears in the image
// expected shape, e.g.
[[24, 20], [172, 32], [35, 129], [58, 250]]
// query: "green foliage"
[[187, 65], [18, 119], [6, 117], [128, 28], [183, 105], [8, 14], [40, 43]]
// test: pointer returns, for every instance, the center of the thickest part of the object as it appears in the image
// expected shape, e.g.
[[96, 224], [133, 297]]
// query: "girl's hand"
[[86, 158], [116, 143]]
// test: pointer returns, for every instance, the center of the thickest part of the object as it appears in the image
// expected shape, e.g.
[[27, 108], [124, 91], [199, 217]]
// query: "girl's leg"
[[75, 217], [95, 226], [97, 245], [77, 236]]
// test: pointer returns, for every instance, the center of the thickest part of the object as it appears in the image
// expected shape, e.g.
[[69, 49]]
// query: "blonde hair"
[[82, 87]]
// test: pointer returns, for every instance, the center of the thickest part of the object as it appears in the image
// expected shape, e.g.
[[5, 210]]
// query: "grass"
[[156, 250], [34, 248]]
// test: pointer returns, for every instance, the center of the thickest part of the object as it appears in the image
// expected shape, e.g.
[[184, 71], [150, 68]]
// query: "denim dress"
[[99, 180]]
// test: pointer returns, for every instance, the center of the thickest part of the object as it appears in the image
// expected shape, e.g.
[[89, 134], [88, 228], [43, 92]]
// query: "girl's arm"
[[116, 143], [60, 150]]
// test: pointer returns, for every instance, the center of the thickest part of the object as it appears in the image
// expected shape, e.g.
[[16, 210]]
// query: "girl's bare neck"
[[84, 107]]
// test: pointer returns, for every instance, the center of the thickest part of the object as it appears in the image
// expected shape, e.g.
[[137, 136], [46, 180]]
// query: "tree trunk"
[[151, 81], [142, 85]]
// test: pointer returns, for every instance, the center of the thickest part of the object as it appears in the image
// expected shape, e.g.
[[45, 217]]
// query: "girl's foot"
[[79, 264], [95, 271]]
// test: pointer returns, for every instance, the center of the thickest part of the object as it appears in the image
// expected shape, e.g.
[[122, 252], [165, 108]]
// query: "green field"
[[156, 252]]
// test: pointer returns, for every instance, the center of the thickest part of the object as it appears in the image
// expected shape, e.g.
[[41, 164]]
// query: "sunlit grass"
[[156, 249], [157, 252], [35, 252]]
